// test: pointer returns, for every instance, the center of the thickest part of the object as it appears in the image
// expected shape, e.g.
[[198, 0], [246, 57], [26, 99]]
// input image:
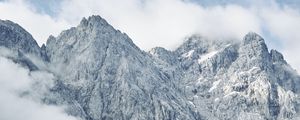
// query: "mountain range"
[[99, 73]]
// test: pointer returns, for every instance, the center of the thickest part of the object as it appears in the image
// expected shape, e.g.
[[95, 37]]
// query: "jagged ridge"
[[101, 74]]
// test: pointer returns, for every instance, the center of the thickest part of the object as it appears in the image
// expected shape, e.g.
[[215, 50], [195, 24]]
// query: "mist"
[[14, 81]]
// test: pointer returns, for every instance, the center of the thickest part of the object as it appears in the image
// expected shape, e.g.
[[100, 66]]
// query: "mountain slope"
[[99, 73], [111, 78], [237, 80], [15, 37], [18, 45]]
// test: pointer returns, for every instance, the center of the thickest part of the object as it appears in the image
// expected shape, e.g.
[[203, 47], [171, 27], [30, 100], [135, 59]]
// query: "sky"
[[167, 23]]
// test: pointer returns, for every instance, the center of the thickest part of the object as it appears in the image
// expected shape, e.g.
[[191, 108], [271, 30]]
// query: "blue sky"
[[52, 7], [166, 23]]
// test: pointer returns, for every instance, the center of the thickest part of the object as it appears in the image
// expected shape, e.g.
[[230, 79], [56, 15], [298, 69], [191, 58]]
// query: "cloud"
[[284, 24], [166, 23], [39, 25], [13, 80]]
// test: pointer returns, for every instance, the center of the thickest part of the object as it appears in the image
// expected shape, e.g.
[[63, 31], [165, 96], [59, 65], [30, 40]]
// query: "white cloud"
[[285, 25], [166, 23], [39, 25], [15, 79]]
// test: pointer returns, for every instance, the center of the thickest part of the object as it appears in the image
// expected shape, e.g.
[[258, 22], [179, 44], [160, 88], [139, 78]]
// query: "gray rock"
[[101, 74]]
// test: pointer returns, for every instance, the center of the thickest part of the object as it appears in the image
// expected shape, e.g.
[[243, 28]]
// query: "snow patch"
[[253, 70], [196, 96], [214, 86], [217, 99], [200, 80], [192, 103], [230, 94], [188, 54], [207, 56]]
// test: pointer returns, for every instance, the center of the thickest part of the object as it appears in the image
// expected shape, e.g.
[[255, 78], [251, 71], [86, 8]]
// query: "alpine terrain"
[[99, 73]]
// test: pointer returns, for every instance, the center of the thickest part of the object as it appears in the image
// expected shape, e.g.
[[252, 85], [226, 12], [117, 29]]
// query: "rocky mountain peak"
[[50, 40], [277, 56], [16, 38], [100, 73], [93, 21], [163, 54], [194, 42], [254, 44], [252, 37], [91, 35], [253, 51], [157, 51]]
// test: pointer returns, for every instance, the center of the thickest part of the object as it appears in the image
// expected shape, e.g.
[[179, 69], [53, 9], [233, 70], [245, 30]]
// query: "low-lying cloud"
[[14, 80]]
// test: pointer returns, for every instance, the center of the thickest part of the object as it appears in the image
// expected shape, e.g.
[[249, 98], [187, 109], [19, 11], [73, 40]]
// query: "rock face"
[[101, 74], [238, 80], [17, 44], [108, 77], [16, 38]]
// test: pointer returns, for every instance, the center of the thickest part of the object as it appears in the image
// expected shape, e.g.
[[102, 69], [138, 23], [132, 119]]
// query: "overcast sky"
[[166, 23]]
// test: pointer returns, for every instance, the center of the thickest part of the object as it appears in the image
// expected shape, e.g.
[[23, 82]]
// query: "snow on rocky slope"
[[99, 73]]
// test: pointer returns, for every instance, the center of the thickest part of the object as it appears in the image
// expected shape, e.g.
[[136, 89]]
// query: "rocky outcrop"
[[99, 73]]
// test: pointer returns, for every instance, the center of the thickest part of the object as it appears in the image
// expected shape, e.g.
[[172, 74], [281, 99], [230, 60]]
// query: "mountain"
[[99, 73], [108, 77], [238, 80], [15, 37], [18, 45]]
